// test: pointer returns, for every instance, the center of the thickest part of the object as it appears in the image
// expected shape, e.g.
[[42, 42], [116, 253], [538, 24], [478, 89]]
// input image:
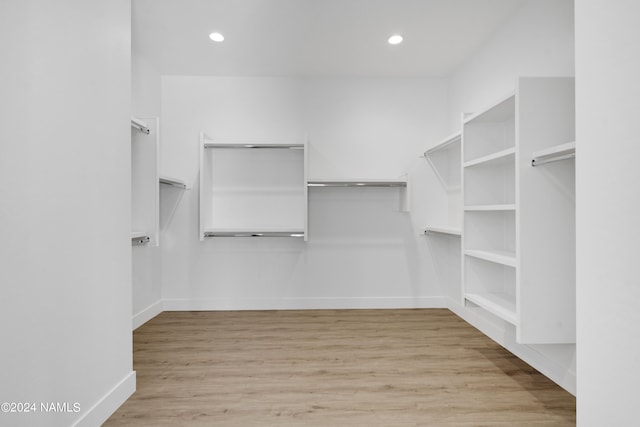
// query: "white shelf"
[[500, 111], [174, 182], [491, 208], [552, 154], [295, 146], [357, 183], [495, 256], [444, 144], [504, 155], [499, 304], [254, 232], [451, 231]]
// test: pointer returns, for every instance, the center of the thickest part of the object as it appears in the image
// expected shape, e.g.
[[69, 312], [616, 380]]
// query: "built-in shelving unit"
[[489, 258], [253, 189], [144, 181], [518, 245], [552, 154]]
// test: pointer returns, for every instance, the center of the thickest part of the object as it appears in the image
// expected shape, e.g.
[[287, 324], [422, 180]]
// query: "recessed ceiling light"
[[395, 39], [216, 37]]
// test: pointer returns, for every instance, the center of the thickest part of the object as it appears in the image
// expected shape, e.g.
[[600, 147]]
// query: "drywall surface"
[[608, 208], [146, 268], [361, 251], [65, 213], [538, 41]]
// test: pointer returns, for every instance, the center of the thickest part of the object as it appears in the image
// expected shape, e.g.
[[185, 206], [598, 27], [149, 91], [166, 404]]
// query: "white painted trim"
[[184, 304], [109, 403], [548, 367], [143, 316]]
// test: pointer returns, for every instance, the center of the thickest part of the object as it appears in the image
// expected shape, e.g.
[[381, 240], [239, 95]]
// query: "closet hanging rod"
[[224, 145], [140, 125], [253, 234], [539, 162], [357, 184]]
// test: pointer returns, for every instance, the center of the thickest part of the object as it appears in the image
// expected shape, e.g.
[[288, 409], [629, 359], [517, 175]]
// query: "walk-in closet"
[[319, 212]]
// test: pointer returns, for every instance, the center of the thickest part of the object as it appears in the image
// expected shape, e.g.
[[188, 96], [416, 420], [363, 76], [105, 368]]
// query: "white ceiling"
[[314, 37]]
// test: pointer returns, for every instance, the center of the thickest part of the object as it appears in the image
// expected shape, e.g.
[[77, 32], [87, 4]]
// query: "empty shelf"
[[252, 145], [555, 153], [499, 112], [272, 232], [504, 155], [357, 183], [499, 304], [451, 231], [496, 256], [139, 124], [174, 182], [507, 207], [444, 144]]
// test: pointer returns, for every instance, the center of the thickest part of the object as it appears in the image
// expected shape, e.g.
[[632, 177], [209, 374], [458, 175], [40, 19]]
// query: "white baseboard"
[[147, 314], [547, 366], [109, 403], [180, 304]]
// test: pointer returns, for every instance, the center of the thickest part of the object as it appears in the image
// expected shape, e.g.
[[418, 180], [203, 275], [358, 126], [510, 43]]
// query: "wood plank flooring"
[[332, 368]]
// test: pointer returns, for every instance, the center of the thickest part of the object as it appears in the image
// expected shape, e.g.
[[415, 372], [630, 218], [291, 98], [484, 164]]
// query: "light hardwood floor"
[[332, 368]]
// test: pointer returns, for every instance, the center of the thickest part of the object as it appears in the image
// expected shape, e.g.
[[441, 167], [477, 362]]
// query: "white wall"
[[608, 208], [146, 268], [360, 252], [65, 216], [537, 41]]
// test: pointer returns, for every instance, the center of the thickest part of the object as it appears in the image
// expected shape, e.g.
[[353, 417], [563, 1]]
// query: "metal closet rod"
[[141, 126], [285, 146], [356, 184], [253, 234], [536, 162]]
